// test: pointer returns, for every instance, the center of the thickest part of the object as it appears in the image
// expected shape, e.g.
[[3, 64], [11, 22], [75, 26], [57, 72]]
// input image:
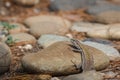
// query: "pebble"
[[110, 74]]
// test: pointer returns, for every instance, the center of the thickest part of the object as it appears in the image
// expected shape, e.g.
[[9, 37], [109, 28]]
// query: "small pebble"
[[7, 4], [28, 47], [55, 78], [110, 74], [69, 35]]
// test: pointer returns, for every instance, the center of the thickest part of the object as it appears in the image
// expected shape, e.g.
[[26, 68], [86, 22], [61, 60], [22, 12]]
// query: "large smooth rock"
[[60, 59], [49, 39], [5, 57], [108, 13], [110, 32], [47, 24], [114, 31], [108, 50], [27, 2], [22, 38], [70, 4], [98, 9], [89, 75], [108, 17], [86, 26]]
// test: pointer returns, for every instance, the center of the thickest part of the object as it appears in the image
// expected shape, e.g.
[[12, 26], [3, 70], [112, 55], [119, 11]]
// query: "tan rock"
[[60, 59], [23, 38], [18, 29], [108, 17], [114, 31], [47, 24], [99, 33], [110, 32]]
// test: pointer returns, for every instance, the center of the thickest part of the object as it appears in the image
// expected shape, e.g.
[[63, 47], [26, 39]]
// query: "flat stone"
[[114, 31], [98, 9], [108, 17], [47, 24], [110, 32], [70, 4], [88, 75], [59, 59], [86, 26], [99, 40], [108, 50], [49, 39], [5, 58], [23, 38]]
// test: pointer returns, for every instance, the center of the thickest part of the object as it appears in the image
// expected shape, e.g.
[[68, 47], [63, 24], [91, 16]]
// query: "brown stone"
[[60, 59]]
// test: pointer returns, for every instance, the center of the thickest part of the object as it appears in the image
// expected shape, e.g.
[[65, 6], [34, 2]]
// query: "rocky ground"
[[32, 29]]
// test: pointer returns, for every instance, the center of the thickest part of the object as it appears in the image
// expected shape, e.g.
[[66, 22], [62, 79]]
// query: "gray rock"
[[60, 59], [70, 4], [101, 41], [47, 40], [108, 50], [5, 58], [102, 2], [86, 26], [96, 10], [47, 24], [88, 75], [105, 13]]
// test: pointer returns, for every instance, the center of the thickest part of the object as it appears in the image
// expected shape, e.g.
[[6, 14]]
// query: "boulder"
[[70, 4], [5, 58], [47, 24], [60, 59], [49, 39], [27, 2]]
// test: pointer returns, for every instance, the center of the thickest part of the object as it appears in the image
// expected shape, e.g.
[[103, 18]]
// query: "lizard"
[[87, 63]]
